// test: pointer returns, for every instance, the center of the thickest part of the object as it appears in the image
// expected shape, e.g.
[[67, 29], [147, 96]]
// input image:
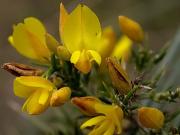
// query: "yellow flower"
[[38, 93], [108, 118], [28, 39], [80, 33], [123, 49], [131, 28], [150, 117], [108, 42], [120, 49]]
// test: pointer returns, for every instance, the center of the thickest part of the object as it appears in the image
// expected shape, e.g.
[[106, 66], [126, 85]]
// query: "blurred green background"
[[159, 18]]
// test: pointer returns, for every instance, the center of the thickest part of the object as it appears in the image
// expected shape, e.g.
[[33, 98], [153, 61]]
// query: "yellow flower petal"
[[93, 121], [75, 57], [110, 130], [25, 85], [24, 107], [83, 59], [84, 63], [51, 43], [22, 43], [107, 42], [123, 49], [36, 27], [118, 117], [43, 97], [62, 18], [81, 30], [95, 56], [11, 41], [29, 40], [100, 129], [33, 107], [103, 108]]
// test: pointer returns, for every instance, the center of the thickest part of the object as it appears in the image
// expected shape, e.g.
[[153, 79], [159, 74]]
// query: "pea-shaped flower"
[[28, 39], [38, 93], [107, 119], [80, 33]]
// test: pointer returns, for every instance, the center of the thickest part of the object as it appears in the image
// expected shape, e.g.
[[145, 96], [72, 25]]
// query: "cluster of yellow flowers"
[[82, 42], [108, 119]]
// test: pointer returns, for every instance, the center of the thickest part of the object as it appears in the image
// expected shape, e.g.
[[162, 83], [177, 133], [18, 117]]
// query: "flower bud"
[[51, 43], [108, 42], [86, 104], [63, 53], [123, 49], [18, 69], [60, 96], [119, 77], [131, 28], [150, 117]]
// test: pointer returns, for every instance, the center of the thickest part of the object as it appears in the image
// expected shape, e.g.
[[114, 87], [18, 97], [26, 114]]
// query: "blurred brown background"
[[160, 18]]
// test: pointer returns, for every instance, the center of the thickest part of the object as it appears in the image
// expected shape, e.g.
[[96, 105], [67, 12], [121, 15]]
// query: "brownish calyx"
[[118, 75], [18, 69]]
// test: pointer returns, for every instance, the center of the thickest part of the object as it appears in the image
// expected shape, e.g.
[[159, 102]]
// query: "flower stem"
[[129, 95]]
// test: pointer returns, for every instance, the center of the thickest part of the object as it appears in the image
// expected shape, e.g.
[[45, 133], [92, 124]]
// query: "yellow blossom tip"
[[150, 117], [28, 39], [51, 43], [62, 19], [60, 96], [92, 122], [11, 41], [86, 104], [123, 49], [131, 28]]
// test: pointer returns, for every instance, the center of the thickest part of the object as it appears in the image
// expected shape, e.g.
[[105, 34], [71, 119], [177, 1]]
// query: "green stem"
[[48, 72], [129, 95]]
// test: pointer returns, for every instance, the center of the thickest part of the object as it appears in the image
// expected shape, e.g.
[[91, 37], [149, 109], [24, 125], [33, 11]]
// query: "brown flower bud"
[[18, 69], [119, 77], [86, 104], [150, 117]]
